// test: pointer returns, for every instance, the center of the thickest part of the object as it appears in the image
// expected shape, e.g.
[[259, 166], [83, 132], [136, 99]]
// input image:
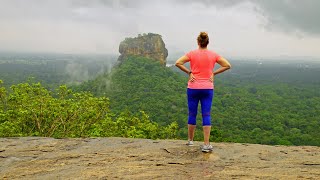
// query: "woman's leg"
[[206, 134], [191, 129], [206, 102], [193, 101]]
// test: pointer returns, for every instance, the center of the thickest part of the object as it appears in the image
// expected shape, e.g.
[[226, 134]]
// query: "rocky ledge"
[[110, 158]]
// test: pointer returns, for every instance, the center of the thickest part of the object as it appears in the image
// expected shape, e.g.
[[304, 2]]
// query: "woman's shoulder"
[[213, 52], [203, 50], [195, 51], [200, 51], [191, 53]]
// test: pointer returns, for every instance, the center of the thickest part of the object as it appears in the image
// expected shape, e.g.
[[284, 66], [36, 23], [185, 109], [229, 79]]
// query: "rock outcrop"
[[121, 158], [148, 45]]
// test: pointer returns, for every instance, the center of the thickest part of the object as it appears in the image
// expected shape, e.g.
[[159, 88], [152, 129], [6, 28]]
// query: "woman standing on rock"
[[200, 85]]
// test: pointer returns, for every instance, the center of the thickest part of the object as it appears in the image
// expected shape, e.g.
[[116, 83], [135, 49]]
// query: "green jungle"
[[264, 102]]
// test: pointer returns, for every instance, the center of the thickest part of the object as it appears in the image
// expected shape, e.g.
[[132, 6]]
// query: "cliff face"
[[147, 45]]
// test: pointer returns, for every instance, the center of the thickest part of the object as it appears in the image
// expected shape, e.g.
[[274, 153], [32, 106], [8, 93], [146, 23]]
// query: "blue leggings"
[[205, 97]]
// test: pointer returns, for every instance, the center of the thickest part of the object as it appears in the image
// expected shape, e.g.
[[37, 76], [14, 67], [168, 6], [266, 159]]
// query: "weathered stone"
[[147, 45], [121, 158]]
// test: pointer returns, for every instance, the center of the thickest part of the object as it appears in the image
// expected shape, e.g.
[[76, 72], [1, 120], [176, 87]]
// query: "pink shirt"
[[202, 62]]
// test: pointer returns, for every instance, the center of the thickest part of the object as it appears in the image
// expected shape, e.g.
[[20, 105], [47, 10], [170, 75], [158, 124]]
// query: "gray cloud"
[[216, 3], [236, 27], [300, 16], [297, 16]]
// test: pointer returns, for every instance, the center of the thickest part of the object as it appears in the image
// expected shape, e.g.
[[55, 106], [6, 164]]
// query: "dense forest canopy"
[[268, 102]]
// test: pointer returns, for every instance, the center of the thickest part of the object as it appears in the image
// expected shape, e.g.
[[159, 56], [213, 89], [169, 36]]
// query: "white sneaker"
[[206, 148], [189, 143]]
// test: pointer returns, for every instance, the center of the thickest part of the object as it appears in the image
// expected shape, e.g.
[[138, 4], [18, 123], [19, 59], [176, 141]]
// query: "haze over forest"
[[237, 28]]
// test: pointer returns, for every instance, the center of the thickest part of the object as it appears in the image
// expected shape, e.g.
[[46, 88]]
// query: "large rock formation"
[[147, 45], [121, 158]]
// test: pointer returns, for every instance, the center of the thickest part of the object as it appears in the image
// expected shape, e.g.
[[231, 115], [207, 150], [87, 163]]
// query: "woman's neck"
[[202, 48]]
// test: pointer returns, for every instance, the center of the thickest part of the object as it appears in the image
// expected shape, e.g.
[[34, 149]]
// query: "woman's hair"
[[203, 39]]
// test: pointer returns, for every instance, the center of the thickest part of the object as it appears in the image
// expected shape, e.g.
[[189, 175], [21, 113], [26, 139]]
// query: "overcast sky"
[[237, 28]]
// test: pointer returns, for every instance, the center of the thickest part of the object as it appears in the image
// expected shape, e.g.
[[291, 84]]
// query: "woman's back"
[[202, 62]]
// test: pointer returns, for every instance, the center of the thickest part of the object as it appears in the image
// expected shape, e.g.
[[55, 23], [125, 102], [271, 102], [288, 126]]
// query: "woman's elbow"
[[228, 66]]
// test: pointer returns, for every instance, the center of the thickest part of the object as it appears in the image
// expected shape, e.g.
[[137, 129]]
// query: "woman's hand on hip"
[[191, 78], [211, 78]]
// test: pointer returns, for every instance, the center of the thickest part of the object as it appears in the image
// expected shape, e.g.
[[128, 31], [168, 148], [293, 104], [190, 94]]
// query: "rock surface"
[[147, 45], [110, 158]]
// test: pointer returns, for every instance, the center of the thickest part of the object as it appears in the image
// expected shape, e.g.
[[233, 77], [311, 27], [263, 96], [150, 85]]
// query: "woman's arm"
[[180, 64], [225, 65]]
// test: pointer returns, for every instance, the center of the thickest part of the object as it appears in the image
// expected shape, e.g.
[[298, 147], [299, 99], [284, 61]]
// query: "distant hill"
[[143, 84]]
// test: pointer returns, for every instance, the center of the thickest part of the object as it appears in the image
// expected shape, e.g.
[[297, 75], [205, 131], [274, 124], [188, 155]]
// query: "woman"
[[200, 85]]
